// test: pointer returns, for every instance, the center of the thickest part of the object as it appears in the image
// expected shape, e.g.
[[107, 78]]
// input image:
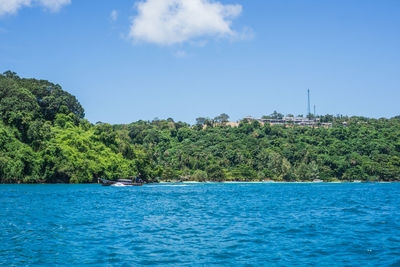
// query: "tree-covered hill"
[[44, 138]]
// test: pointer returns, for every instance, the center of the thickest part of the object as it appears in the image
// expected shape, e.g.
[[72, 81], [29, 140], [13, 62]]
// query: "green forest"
[[45, 138]]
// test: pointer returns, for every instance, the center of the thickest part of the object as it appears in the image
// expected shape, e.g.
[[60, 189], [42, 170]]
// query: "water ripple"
[[202, 224]]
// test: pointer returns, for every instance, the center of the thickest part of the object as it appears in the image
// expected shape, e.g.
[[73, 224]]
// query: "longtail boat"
[[119, 182]]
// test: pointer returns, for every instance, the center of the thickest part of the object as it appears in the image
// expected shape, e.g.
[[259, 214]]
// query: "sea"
[[205, 224]]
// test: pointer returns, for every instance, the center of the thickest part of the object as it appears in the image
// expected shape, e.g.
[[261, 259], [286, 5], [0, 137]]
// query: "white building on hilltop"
[[300, 121]]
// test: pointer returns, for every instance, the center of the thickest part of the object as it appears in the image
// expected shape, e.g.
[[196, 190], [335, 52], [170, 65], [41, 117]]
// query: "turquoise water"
[[201, 224]]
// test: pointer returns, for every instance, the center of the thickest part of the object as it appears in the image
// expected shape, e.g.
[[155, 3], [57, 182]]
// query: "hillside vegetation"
[[44, 138]]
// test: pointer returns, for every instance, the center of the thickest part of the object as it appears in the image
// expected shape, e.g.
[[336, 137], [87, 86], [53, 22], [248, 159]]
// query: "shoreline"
[[285, 182], [224, 182]]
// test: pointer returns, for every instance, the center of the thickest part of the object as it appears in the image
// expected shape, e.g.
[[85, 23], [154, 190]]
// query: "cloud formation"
[[167, 22], [114, 15], [12, 6]]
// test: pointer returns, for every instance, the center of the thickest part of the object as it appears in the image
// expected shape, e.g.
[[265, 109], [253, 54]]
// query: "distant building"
[[300, 121]]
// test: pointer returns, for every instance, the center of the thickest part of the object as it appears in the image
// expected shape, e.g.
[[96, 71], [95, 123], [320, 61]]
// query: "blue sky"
[[238, 57]]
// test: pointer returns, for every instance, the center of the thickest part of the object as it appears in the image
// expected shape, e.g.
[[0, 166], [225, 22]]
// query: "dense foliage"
[[44, 138]]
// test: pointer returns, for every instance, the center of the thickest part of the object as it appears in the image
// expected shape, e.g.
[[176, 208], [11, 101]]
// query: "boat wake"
[[172, 185], [119, 185]]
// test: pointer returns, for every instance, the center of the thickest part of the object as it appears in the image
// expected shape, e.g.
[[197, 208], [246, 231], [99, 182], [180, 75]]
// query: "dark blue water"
[[201, 224]]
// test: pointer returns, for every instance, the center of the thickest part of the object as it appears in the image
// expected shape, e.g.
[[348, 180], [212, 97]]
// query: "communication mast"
[[309, 105]]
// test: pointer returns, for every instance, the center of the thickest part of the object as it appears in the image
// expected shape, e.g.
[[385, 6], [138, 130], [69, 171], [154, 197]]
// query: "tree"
[[276, 115], [200, 175], [244, 172], [18, 106], [11, 75], [169, 173], [280, 166], [44, 138], [222, 119], [216, 172], [201, 120]]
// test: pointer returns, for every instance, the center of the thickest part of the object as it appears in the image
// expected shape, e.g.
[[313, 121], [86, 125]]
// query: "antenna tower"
[[309, 107]]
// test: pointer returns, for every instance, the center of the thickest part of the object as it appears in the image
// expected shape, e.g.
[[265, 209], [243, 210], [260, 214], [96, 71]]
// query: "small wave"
[[202, 225], [171, 185]]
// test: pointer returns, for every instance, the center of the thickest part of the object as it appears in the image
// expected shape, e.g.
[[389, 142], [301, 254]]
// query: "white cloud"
[[168, 22], [114, 15], [54, 5], [180, 54], [12, 6]]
